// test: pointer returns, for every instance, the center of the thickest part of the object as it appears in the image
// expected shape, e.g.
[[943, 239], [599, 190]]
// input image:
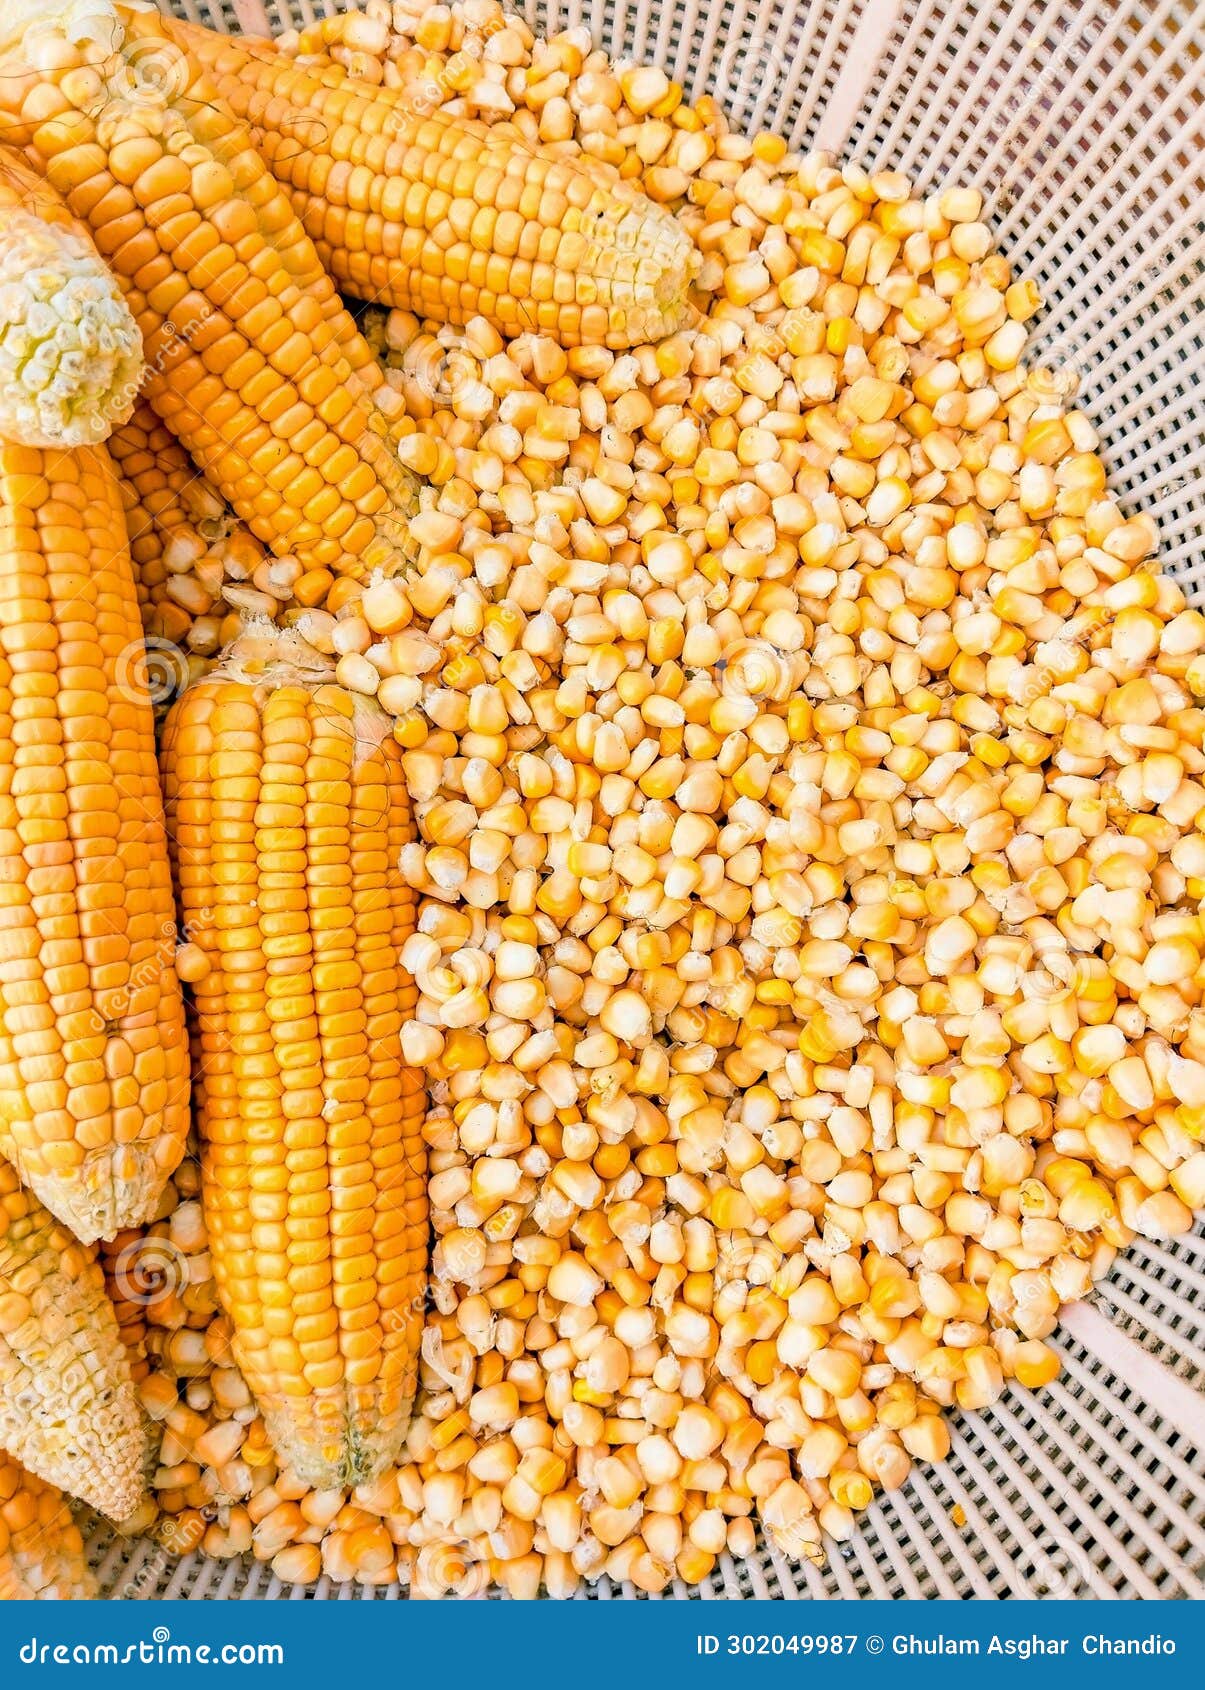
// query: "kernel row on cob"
[[41, 1551]]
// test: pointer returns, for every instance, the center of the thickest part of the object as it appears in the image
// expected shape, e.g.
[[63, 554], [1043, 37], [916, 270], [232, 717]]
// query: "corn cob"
[[93, 1056], [288, 811], [448, 217], [195, 564], [67, 1406], [70, 352], [41, 1551], [252, 361], [121, 1259]]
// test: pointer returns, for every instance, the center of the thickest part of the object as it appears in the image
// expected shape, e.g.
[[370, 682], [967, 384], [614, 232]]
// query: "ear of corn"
[[41, 1551], [449, 218], [252, 361], [122, 1260], [70, 352], [288, 813], [195, 565], [67, 1406], [93, 1056]]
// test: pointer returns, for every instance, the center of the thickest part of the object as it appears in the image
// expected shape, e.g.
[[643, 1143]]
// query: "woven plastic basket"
[[1082, 122]]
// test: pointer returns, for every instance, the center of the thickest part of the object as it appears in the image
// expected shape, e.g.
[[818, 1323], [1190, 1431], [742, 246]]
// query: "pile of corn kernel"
[[808, 764]]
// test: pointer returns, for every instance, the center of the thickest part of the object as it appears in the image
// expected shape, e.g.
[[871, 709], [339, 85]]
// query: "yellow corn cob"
[[449, 217], [41, 1551], [93, 1056], [70, 352], [185, 546], [288, 813], [120, 1257], [251, 360], [67, 1406]]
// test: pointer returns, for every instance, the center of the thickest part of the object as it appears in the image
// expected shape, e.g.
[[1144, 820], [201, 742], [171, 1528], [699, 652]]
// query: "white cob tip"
[[77, 20], [70, 352]]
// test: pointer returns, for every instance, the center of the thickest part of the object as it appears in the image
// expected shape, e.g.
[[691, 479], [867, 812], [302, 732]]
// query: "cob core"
[[70, 352]]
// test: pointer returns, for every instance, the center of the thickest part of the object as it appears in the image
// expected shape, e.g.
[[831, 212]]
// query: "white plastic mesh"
[[1082, 122]]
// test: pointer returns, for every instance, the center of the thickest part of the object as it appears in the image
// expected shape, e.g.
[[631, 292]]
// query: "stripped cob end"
[[68, 1410], [70, 352], [41, 1551], [651, 247], [337, 1439], [104, 1191]]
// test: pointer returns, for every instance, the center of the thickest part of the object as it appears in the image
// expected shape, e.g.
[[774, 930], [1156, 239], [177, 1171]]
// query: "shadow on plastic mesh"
[[1056, 85]]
